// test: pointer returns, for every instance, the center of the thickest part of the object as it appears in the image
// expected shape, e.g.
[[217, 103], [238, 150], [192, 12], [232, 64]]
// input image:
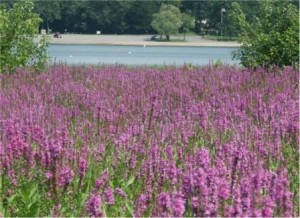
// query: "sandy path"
[[142, 40]]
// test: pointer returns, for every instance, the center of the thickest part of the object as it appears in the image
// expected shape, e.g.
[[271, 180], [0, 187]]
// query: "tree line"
[[135, 17]]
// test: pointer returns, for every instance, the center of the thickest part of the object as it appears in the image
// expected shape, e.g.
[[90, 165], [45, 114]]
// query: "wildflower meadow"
[[139, 142]]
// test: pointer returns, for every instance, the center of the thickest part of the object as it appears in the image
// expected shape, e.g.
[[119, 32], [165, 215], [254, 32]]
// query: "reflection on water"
[[139, 55]]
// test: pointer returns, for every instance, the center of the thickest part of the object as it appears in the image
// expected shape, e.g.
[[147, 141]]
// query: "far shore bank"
[[137, 40]]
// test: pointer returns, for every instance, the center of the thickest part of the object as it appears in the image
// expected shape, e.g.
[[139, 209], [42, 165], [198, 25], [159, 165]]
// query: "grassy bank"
[[221, 38]]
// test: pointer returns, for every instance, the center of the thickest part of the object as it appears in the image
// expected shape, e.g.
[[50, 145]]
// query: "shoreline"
[[136, 40]]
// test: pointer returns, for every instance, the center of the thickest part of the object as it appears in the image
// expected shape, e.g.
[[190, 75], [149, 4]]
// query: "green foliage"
[[272, 38], [20, 44], [187, 23], [49, 11], [134, 17], [167, 21], [229, 27]]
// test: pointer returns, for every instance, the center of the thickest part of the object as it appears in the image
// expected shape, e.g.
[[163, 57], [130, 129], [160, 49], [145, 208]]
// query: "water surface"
[[139, 55]]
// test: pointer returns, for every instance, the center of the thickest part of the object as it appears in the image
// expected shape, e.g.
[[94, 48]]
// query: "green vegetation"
[[49, 12], [167, 21], [187, 23], [135, 17], [221, 38], [20, 45], [272, 38]]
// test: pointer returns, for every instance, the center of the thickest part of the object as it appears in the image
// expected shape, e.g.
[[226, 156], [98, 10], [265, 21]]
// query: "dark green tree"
[[140, 15], [49, 11]]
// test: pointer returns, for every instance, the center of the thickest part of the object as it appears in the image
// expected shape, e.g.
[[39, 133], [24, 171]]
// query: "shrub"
[[20, 44]]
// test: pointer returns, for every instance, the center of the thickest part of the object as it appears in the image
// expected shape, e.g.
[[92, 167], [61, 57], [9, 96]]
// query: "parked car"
[[57, 35], [153, 38]]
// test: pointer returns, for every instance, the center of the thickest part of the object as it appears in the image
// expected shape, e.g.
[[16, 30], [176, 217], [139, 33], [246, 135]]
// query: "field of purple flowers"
[[113, 141]]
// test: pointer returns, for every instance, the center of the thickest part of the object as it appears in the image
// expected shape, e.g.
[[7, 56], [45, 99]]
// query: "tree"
[[188, 22], [273, 36], [140, 15], [49, 11], [20, 44], [229, 26], [167, 21]]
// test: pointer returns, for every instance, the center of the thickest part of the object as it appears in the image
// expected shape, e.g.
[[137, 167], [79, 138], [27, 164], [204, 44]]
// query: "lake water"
[[139, 55]]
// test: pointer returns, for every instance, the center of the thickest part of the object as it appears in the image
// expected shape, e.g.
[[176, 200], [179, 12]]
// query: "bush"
[[20, 43], [273, 37]]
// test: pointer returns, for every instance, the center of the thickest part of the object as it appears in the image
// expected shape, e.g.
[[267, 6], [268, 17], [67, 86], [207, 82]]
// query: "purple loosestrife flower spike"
[[83, 166], [101, 149], [268, 207], [120, 192], [100, 182], [140, 206], [93, 205], [203, 158], [164, 203], [55, 149], [178, 205], [224, 190], [65, 176], [109, 196]]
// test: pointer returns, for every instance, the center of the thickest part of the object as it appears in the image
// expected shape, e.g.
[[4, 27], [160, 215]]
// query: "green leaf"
[[12, 198], [130, 181], [33, 191], [129, 207]]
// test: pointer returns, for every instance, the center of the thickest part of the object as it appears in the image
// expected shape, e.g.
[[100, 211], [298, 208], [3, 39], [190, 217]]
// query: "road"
[[139, 40]]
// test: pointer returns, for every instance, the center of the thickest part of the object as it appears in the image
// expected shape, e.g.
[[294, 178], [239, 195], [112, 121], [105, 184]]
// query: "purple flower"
[[195, 202], [99, 183], [140, 206], [48, 175], [109, 196], [257, 213], [102, 180], [203, 157], [65, 176], [120, 192], [268, 212], [224, 190], [164, 200], [268, 207], [178, 207], [101, 149], [93, 205], [256, 179], [246, 200], [179, 152], [82, 166], [55, 149], [282, 194], [169, 152], [164, 204], [172, 172], [132, 162]]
